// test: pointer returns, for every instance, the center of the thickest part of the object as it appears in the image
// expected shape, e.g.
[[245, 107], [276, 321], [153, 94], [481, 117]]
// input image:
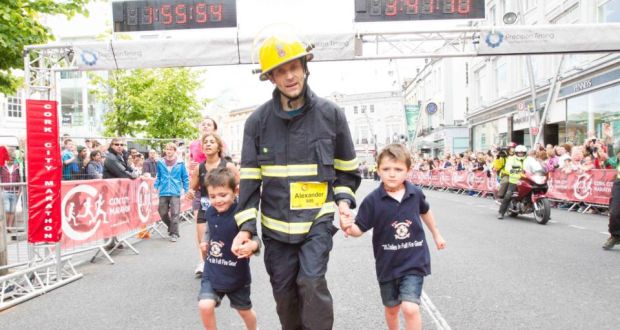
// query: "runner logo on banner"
[[44, 172]]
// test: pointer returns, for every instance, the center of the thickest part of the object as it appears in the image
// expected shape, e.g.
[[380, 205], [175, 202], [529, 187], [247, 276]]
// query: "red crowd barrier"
[[592, 187], [97, 209]]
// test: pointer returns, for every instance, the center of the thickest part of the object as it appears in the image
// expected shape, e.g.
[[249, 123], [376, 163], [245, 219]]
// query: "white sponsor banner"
[[151, 53], [543, 39], [188, 52], [327, 47]]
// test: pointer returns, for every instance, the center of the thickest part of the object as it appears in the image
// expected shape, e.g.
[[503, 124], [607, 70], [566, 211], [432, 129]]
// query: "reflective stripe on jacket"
[[313, 147], [514, 166]]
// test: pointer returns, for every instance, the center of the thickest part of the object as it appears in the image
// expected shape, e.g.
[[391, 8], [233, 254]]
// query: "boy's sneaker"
[[500, 216], [610, 242], [199, 268], [174, 238]]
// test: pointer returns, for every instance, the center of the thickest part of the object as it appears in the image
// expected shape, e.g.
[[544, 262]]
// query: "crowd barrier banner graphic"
[[592, 187], [97, 209], [44, 171]]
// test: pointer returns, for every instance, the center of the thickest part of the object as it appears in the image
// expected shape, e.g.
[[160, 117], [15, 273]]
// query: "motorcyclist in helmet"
[[499, 165], [515, 168]]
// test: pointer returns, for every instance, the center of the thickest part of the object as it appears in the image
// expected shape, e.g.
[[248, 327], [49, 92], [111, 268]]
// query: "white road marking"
[[551, 221], [434, 313], [577, 227], [604, 233]]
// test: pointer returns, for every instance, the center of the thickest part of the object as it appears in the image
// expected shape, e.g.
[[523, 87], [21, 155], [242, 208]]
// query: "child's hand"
[[439, 241], [203, 249], [247, 249]]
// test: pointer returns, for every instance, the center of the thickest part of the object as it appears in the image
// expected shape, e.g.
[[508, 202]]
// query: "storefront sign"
[[590, 83], [44, 172]]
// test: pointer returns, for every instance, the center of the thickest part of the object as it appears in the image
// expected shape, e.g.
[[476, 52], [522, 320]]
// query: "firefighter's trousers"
[[297, 276]]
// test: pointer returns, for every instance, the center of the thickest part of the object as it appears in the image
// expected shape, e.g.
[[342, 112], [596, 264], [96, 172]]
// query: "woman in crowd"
[[197, 156], [212, 147]]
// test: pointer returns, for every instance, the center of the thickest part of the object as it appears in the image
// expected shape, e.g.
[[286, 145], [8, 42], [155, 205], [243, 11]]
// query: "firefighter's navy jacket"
[[311, 154]]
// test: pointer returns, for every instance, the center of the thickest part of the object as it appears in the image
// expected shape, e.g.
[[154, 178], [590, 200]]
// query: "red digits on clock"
[[216, 12], [391, 7], [201, 13], [464, 7], [147, 15], [412, 7], [181, 13], [166, 13]]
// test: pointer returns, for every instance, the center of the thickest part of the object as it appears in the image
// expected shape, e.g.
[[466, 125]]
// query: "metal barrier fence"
[[27, 270], [590, 189]]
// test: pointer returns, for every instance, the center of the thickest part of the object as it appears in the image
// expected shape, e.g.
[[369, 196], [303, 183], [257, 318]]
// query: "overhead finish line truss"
[[232, 49]]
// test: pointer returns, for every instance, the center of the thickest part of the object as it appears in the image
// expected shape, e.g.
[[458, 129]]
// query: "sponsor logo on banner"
[[144, 201], [82, 212], [44, 172], [582, 188], [494, 39]]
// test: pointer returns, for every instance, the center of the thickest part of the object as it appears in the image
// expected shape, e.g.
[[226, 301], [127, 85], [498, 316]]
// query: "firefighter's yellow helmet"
[[276, 51]]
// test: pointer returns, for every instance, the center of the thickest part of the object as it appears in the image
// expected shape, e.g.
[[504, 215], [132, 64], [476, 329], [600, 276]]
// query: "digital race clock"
[[151, 15], [406, 10]]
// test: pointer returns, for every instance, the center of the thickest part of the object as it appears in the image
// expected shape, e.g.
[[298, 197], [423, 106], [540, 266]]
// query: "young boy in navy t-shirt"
[[224, 273], [402, 259]]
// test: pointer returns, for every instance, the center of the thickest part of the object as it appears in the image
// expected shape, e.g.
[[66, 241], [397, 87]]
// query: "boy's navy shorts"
[[406, 288], [239, 299]]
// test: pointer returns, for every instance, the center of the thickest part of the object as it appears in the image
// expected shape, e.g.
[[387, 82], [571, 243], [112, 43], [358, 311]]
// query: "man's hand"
[[246, 250], [439, 241], [346, 218], [242, 238], [190, 195]]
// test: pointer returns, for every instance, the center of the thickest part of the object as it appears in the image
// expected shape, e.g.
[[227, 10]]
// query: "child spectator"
[[224, 274], [94, 168], [402, 258], [172, 179]]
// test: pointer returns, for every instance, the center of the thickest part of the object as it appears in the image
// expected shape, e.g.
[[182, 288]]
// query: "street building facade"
[[586, 103], [439, 91]]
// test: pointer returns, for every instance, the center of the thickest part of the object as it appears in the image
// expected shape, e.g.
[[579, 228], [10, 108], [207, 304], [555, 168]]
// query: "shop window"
[[355, 110], [596, 113], [372, 108], [609, 12]]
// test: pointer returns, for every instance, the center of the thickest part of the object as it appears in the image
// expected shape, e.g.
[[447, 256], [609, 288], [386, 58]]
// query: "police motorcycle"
[[531, 197]]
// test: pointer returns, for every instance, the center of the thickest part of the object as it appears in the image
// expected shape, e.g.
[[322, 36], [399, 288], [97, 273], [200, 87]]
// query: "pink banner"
[[44, 172], [593, 186], [97, 209]]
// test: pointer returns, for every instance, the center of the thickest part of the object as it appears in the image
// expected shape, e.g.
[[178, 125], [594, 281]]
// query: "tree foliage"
[[19, 27], [152, 103]]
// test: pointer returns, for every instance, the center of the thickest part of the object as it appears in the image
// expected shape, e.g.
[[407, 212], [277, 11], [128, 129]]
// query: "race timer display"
[[411, 10], [152, 15]]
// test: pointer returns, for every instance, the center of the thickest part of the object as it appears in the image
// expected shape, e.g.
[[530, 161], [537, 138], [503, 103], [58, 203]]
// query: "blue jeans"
[[406, 288]]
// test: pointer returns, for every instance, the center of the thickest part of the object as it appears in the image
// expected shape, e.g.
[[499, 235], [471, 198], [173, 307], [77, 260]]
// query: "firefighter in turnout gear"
[[514, 166], [298, 164]]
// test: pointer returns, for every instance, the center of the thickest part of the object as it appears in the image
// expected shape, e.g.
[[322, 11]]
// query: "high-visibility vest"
[[514, 166], [618, 169]]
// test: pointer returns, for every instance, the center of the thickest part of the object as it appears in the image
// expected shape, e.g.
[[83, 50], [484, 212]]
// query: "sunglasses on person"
[[119, 144]]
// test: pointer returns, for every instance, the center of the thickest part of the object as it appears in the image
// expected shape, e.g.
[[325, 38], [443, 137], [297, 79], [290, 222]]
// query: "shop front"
[[593, 109]]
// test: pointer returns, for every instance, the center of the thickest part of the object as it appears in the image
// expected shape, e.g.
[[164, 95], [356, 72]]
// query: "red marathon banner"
[[44, 171], [593, 186], [98, 209]]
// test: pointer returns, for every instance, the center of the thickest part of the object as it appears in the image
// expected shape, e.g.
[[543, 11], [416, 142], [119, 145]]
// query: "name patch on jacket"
[[308, 195]]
